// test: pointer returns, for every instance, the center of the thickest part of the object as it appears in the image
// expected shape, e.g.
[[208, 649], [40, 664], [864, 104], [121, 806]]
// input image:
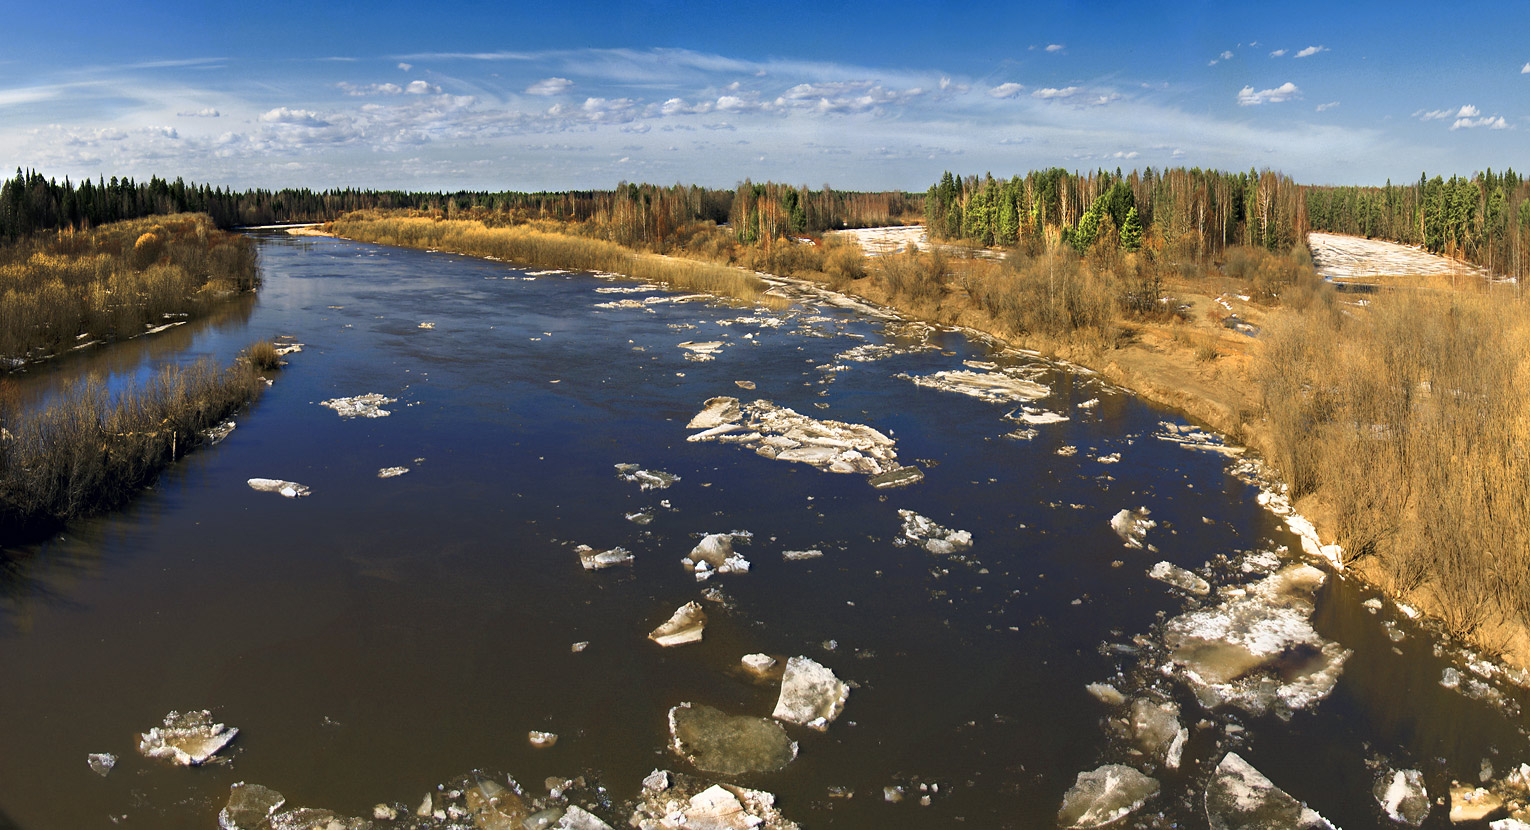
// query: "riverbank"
[[74, 289]]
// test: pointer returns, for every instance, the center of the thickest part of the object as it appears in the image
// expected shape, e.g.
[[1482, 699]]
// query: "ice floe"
[[713, 741], [702, 351], [1180, 578], [360, 406], [290, 489], [392, 472], [1133, 526], [646, 479], [673, 801], [1104, 796], [101, 763], [189, 738], [1035, 417], [811, 695], [714, 554], [684, 626], [594, 560], [925, 533], [1239, 796], [1402, 796], [994, 387], [786, 435], [1257, 650]]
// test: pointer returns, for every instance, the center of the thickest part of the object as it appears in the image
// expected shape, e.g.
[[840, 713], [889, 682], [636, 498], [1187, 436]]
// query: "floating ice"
[[1402, 796], [716, 412], [250, 806], [594, 560], [759, 665], [713, 741], [427, 325], [1132, 526], [684, 626], [1154, 728], [786, 435], [811, 695], [1240, 797], [672, 800], [714, 555], [290, 489], [798, 555], [627, 303], [101, 763], [1104, 796], [994, 387], [647, 479], [931, 536], [1258, 651], [1035, 417], [1180, 578], [360, 406], [216, 434], [542, 740], [1189, 437], [189, 739], [392, 472], [1106, 694], [701, 352]]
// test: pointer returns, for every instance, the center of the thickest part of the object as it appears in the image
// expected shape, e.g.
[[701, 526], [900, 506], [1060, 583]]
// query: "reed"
[[91, 451]]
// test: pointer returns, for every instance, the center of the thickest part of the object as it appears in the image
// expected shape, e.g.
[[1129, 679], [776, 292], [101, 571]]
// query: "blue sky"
[[529, 96]]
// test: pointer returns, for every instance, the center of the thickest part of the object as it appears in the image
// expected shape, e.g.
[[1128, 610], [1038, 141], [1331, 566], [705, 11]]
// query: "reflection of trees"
[[110, 363], [45, 572]]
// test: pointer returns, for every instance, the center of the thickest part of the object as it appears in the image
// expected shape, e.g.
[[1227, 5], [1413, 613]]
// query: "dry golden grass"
[[114, 281]]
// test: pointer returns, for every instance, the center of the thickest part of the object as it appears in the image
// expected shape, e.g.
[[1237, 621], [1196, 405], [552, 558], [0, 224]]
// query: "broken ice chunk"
[[249, 807], [931, 536], [1104, 796], [714, 554], [392, 472], [716, 412], [189, 739], [1402, 796], [714, 741], [290, 489], [1180, 578], [646, 479], [101, 763], [541, 740], [811, 695], [593, 559], [360, 406], [1132, 526], [994, 387], [1239, 796], [684, 626]]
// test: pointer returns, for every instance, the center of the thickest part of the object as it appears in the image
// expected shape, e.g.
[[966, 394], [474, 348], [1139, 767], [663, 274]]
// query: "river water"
[[381, 636]]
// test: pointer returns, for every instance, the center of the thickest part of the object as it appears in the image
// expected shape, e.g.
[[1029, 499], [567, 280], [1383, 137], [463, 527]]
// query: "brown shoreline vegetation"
[[91, 451], [61, 289], [1400, 422]]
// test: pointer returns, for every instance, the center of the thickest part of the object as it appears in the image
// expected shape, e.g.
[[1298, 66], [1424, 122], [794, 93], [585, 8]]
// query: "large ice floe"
[[786, 435], [811, 695], [713, 741], [1257, 649], [186, 738], [995, 387], [1132, 526], [594, 560], [646, 479], [684, 626], [1105, 796], [1239, 797], [360, 406], [290, 489]]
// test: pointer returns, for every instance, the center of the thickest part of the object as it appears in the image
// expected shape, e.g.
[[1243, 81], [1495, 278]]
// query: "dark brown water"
[[380, 637]]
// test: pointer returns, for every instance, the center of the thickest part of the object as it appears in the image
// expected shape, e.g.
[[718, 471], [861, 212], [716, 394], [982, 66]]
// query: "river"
[[385, 635]]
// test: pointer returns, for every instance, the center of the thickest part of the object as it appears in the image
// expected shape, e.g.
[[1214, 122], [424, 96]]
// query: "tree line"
[[1484, 219], [1184, 214], [634, 214]]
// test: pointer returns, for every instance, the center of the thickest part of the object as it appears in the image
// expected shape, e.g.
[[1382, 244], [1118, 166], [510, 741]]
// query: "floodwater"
[[382, 636]]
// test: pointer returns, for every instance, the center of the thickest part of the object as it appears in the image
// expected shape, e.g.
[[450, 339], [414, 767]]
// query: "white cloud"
[[1226, 56], [1311, 50], [1285, 92], [206, 112], [1104, 100], [1525, 70], [1468, 111], [1278, 53], [1054, 47], [304, 118], [1328, 106], [370, 89], [550, 86], [1490, 122], [406, 66], [421, 88], [1049, 93], [1123, 155], [1008, 90], [1432, 115]]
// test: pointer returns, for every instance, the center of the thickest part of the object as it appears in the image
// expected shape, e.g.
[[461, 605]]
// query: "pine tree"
[[1131, 231]]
